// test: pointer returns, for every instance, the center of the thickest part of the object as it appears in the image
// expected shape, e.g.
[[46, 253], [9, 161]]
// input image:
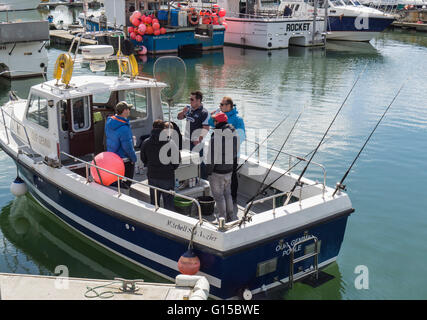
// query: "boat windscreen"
[[337, 3], [138, 98]]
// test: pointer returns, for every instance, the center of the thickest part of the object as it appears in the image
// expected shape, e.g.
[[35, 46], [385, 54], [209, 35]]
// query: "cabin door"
[[80, 132]]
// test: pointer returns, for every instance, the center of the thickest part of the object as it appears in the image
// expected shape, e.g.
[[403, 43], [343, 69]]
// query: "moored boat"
[[179, 34], [346, 19], [53, 135]]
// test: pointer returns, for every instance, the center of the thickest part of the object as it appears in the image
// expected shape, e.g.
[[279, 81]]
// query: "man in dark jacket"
[[161, 157], [119, 138], [222, 158]]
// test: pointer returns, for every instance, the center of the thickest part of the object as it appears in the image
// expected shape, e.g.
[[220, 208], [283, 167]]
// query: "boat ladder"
[[292, 261]]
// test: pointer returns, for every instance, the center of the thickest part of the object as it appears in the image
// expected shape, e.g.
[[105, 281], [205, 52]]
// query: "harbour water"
[[385, 237]]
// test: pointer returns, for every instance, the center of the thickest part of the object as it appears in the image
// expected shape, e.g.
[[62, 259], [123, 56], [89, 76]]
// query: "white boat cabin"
[[72, 120]]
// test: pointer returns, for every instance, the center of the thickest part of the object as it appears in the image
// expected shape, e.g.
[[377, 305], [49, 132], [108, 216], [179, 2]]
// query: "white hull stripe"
[[121, 242]]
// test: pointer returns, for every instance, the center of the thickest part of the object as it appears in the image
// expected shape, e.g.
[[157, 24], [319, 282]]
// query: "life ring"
[[129, 65], [133, 66], [193, 17], [63, 68]]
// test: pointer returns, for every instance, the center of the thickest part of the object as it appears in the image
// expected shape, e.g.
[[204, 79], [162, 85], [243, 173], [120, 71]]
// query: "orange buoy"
[[111, 162], [189, 263]]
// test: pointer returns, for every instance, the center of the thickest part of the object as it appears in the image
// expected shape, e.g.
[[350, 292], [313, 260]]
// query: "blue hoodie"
[[235, 121], [119, 137]]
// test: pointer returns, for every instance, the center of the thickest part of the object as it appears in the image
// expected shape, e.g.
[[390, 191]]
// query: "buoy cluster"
[[214, 16], [144, 24]]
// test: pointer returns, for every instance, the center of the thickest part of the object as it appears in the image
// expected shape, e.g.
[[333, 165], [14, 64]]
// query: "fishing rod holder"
[[339, 187]]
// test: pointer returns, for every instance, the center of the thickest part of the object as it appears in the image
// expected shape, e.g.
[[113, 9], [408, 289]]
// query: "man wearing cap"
[[227, 106], [119, 137], [222, 157]]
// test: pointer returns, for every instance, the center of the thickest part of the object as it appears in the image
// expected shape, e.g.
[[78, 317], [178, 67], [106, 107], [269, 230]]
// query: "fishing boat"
[[287, 232], [249, 24], [15, 5], [179, 32], [23, 49], [346, 19]]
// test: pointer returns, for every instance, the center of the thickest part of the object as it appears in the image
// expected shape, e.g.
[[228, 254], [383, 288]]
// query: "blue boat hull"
[[337, 23], [158, 251], [174, 41]]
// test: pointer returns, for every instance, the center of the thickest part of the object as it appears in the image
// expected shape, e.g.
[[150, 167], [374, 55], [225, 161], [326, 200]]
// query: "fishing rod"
[[300, 159], [259, 145], [271, 167], [340, 185], [298, 182]]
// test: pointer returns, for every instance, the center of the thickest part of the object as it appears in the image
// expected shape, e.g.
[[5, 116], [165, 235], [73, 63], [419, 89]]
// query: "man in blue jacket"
[[119, 137], [227, 106]]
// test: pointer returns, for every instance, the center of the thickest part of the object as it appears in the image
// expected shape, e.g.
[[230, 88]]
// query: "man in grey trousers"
[[221, 158]]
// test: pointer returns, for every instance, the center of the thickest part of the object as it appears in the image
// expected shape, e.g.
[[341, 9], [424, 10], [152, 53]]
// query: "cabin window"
[[38, 111], [62, 107], [137, 97], [80, 114]]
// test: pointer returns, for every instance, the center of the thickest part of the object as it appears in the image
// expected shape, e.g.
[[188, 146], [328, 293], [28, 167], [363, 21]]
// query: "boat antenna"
[[271, 167], [259, 145], [340, 185], [298, 182]]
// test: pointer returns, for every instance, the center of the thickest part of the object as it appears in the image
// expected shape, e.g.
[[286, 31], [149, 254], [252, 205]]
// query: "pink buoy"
[[222, 13], [162, 30], [111, 162], [143, 50], [133, 35], [137, 14], [136, 22], [189, 263], [138, 38], [131, 29], [156, 26], [155, 21], [148, 20], [142, 27]]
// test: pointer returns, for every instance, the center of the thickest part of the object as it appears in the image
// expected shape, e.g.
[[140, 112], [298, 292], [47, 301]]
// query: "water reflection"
[[20, 86], [41, 242]]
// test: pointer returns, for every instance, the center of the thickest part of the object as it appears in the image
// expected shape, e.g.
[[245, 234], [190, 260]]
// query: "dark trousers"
[[129, 172], [234, 183], [203, 170], [166, 184]]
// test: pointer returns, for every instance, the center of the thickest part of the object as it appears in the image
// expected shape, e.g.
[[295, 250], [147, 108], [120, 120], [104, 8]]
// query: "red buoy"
[[111, 162], [189, 263]]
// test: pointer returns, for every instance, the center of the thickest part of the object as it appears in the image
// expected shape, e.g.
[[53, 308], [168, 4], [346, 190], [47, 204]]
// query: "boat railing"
[[278, 195], [267, 15], [290, 157], [119, 177], [25, 142]]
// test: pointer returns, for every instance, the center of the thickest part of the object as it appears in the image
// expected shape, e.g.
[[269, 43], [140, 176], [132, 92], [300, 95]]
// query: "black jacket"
[[151, 150], [222, 160]]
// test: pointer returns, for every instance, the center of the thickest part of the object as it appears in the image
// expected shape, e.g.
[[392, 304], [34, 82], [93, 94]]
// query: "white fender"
[[18, 187]]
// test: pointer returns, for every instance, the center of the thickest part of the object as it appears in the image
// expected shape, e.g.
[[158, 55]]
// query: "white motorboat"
[[15, 5], [23, 48], [249, 24], [54, 134], [346, 19]]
